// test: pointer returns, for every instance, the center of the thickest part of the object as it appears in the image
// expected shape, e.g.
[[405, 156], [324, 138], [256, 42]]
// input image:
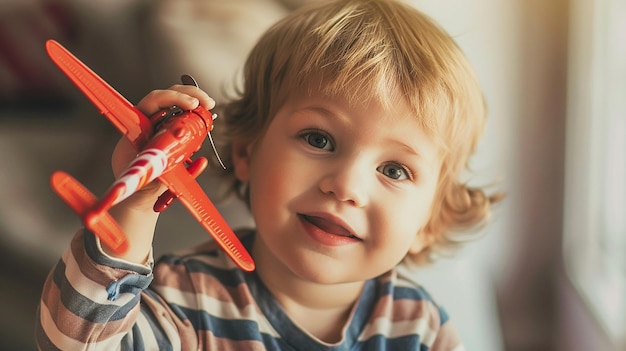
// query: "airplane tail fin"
[[82, 201]]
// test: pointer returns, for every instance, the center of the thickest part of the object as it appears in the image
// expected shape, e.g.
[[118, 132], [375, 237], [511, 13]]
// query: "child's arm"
[[91, 298]]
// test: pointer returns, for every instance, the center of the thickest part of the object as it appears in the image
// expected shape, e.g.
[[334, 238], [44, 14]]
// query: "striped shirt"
[[199, 300]]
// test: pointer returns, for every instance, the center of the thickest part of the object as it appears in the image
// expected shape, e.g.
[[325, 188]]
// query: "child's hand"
[[184, 96], [135, 214]]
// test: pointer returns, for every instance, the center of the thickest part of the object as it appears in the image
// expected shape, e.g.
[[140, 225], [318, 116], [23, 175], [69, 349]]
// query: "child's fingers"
[[203, 98], [184, 96]]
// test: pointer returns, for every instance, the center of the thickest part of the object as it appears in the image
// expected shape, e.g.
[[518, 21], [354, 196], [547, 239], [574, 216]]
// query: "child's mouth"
[[328, 226]]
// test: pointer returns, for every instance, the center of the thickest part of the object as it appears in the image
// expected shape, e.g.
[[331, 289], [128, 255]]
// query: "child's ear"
[[241, 160]]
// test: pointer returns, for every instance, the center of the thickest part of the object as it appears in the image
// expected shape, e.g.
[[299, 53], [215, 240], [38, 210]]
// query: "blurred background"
[[549, 273]]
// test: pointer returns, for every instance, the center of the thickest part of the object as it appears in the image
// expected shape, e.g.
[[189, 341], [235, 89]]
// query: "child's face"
[[339, 193]]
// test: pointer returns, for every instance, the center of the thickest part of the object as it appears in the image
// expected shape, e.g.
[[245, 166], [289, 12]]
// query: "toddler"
[[347, 141]]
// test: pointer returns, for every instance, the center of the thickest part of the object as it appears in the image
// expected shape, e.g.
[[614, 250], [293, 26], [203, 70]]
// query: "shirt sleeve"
[[92, 301]]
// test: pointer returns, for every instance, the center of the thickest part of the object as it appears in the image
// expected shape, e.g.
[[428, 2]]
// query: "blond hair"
[[365, 49]]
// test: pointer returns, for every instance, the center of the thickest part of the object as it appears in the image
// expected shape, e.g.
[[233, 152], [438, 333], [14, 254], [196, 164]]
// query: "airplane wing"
[[189, 192], [131, 122]]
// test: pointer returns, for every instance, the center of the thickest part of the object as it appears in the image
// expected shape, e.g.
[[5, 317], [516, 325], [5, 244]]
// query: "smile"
[[327, 231]]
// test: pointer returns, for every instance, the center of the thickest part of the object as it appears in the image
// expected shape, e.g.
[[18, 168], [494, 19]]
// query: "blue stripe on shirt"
[[83, 307], [414, 293], [380, 343], [234, 329]]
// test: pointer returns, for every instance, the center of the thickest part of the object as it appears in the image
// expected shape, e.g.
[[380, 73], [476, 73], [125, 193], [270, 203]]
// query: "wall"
[[520, 50]]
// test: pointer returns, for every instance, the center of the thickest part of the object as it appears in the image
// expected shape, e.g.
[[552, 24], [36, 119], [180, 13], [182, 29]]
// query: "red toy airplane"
[[165, 142]]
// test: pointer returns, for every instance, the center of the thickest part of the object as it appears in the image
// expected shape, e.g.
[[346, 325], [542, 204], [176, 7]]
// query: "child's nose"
[[348, 183]]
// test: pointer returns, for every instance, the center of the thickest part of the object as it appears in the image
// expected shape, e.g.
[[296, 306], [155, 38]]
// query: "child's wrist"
[[143, 200]]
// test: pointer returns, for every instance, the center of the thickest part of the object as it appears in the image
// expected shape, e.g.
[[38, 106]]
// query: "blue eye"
[[393, 171], [318, 140]]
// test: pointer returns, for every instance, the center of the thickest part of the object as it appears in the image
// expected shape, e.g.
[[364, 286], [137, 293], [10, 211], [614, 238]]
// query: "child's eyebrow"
[[320, 110], [407, 148], [327, 113]]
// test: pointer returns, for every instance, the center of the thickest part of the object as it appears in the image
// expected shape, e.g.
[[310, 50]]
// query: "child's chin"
[[326, 271]]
